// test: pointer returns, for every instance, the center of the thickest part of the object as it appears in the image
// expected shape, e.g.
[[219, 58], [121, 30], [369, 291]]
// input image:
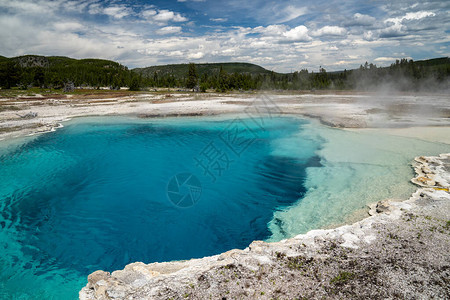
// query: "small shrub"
[[342, 278]]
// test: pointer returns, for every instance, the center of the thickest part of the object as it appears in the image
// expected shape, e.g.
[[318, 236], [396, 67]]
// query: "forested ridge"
[[54, 72]]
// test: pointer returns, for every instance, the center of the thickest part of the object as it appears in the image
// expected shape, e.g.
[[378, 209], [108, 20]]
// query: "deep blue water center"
[[102, 193]]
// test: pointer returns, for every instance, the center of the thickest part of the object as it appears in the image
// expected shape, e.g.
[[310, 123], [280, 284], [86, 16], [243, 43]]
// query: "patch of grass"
[[9, 129], [393, 236], [342, 278], [299, 262], [8, 107], [333, 245], [447, 225], [410, 217], [31, 92], [15, 92]]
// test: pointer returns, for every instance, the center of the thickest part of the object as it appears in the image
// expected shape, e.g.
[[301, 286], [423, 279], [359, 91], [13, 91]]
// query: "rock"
[[383, 206], [97, 276], [100, 292], [30, 115], [117, 292], [98, 282]]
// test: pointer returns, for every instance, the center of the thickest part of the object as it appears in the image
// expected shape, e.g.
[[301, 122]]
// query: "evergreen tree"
[[192, 76], [12, 75], [39, 77], [134, 85], [222, 84]]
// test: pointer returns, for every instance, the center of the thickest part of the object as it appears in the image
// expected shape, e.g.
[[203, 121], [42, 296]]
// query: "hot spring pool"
[[104, 192]]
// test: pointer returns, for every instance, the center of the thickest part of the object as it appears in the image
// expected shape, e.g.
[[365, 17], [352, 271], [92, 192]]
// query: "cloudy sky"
[[279, 35]]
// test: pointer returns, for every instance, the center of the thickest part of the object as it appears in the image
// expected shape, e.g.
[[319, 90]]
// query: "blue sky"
[[279, 35]]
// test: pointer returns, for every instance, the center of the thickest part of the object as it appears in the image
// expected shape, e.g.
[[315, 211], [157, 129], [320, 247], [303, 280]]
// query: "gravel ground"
[[409, 260]]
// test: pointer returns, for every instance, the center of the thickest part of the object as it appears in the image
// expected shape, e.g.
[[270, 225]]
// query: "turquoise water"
[[102, 193], [357, 168]]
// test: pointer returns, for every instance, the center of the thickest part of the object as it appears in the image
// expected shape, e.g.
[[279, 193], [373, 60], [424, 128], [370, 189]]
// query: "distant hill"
[[404, 75], [56, 70], [180, 70], [31, 61], [433, 62]]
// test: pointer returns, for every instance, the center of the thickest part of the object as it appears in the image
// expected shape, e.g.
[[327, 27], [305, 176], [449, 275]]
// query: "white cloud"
[[76, 6], [342, 63], [165, 16], [271, 30], [68, 26], [168, 30], [395, 30], [369, 36], [218, 19], [410, 22], [94, 9], [176, 53], [419, 15], [330, 31], [298, 34], [362, 20], [290, 13], [385, 59], [280, 33], [149, 13], [28, 7], [196, 55], [411, 16], [257, 44], [117, 12]]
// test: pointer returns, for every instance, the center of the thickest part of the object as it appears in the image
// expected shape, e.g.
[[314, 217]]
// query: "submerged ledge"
[[399, 251]]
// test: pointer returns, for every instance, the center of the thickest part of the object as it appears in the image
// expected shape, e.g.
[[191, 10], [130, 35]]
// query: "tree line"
[[403, 75], [54, 72]]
